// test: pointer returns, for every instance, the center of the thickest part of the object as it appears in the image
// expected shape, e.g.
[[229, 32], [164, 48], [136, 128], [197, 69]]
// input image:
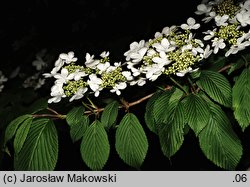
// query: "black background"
[[93, 26]]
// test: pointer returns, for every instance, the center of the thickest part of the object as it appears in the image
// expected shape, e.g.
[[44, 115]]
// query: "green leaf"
[[171, 133], [218, 141], [13, 126], [109, 114], [241, 99], [95, 146], [21, 135], [40, 150], [216, 86], [74, 115], [131, 141], [149, 115], [160, 104], [78, 129], [197, 112]]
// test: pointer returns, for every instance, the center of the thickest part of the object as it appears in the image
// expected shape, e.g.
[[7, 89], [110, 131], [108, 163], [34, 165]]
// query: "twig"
[[53, 111]]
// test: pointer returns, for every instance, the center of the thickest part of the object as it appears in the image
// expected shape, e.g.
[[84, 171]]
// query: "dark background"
[[93, 26]]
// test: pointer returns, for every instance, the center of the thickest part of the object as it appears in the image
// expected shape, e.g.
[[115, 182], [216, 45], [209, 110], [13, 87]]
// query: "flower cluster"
[[73, 80], [230, 28], [2, 80], [176, 50]]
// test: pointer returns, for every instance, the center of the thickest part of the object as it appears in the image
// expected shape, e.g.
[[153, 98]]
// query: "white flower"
[[244, 18], [2, 77], [39, 84], [153, 72], [183, 72], [77, 75], [164, 46], [151, 52], [118, 87], [57, 93], [104, 54], [94, 83], [140, 82], [210, 35], [128, 75], [168, 30], [210, 17], [162, 59], [203, 9], [134, 48], [246, 5], [64, 76], [103, 67], [79, 94], [207, 52], [68, 58], [191, 24], [218, 44], [90, 62], [240, 45], [221, 20], [138, 56]]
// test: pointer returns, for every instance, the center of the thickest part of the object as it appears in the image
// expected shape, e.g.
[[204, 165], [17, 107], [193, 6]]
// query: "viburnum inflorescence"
[[175, 51]]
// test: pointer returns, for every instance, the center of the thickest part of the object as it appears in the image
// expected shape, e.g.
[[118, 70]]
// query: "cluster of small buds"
[[2, 80], [74, 80], [175, 50], [230, 28]]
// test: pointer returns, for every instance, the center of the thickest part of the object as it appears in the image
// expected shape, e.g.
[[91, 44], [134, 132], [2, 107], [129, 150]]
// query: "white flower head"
[[134, 48], [218, 44], [79, 94], [118, 87], [203, 9], [244, 18], [221, 20], [191, 24], [90, 61], [68, 58], [57, 93]]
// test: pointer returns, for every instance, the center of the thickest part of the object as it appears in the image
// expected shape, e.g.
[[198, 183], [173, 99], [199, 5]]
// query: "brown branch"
[[225, 68], [49, 115], [53, 111]]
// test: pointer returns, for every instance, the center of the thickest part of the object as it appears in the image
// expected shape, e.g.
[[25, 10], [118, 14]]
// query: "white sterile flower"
[[104, 54], [68, 58], [38, 63], [2, 77], [162, 59], [57, 93], [246, 5], [191, 24], [207, 52], [140, 82], [39, 84], [151, 52], [77, 75], [90, 61], [218, 44], [52, 73], [134, 48], [244, 18], [136, 72], [158, 35], [94, 83], [210, 34], [79, 94], [64, 76], [103, 67], [118, 87], [164, 46], [203, 9], [128, 75], [240, 45], [209, 17], [153, 72], [59, 63], [138, 55], [184, 72], [221, 20], [168, 30]]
